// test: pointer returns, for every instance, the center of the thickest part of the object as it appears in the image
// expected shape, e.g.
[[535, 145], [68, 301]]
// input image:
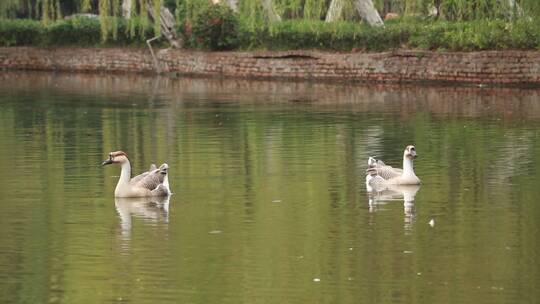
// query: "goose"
[[379, 174], [152, 183]]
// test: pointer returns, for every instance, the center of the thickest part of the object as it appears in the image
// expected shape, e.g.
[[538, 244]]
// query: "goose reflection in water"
[[150, 209], [391, 193]]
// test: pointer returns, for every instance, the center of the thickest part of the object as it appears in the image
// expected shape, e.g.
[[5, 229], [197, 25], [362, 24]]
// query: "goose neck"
[[125, 175], [407, 166]]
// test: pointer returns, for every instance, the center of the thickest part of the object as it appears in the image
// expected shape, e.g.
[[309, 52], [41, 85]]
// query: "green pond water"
[[270, 202]]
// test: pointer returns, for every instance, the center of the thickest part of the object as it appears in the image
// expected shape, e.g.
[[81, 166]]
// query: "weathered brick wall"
[[490, 67], [76, 59]]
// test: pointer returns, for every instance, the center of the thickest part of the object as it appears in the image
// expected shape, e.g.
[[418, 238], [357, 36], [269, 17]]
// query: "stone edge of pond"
[[490, 68]]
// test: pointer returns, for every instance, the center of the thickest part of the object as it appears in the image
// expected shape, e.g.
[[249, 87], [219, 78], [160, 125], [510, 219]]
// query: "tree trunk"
[[387, 7], [368, 12], [334, 11], [168, 29], [126, 8], [270, 12]]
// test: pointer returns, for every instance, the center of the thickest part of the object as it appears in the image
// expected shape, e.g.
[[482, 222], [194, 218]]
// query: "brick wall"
[[490, 67]]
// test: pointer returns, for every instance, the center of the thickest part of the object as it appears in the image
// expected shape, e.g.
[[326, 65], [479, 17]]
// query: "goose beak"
[[106, 162]]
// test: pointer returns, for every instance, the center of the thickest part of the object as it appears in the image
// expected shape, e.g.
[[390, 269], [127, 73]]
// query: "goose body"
[[379, 175], [154, 182]]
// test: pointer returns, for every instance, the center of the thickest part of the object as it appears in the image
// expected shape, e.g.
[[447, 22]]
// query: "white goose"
[[379, 174], [154, 182]]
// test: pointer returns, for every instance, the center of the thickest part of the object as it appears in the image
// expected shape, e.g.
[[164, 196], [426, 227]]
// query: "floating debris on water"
[[432, 222], [316, 280], [215, 232]]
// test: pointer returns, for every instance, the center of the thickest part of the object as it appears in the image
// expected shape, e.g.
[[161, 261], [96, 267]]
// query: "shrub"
[[214, 27], [476, 35], [132, 32], [82, 31], [20, 32], [313, 34], [525, 34]]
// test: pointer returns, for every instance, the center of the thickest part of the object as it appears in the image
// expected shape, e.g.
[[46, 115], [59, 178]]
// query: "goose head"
[[410, 152], [118, 157], [163, 169]]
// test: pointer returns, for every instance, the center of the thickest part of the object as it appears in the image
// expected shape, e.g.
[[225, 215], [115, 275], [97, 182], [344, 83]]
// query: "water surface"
[[269, 201]]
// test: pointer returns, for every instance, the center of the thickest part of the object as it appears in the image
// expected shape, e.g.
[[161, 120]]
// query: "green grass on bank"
[[291, 34]]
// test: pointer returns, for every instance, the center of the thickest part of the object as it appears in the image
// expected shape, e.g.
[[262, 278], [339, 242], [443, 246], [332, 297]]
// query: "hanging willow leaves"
[[255, 15], [314, 9], [157, 4], [8, 7]]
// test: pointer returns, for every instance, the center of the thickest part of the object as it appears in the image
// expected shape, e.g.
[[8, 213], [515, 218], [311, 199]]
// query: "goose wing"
[[384, 171], [144, 174], [152, 179]]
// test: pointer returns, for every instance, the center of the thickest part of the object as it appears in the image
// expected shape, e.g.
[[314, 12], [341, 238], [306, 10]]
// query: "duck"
[[152, 183], [379, 175]]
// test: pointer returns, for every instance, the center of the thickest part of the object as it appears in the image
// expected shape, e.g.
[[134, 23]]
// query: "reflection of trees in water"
[[235, 147], [183, 120], [504, 103]]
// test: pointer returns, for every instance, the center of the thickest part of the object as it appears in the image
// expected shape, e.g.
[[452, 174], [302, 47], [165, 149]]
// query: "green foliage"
[[476, 35], [525, 34], [80, 30], [20, 32], [289, 8], [85, 31], [404, 33], [337, 36], [8, 7], [314, 9], [187, 9], [251, 14], [214, 28]]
